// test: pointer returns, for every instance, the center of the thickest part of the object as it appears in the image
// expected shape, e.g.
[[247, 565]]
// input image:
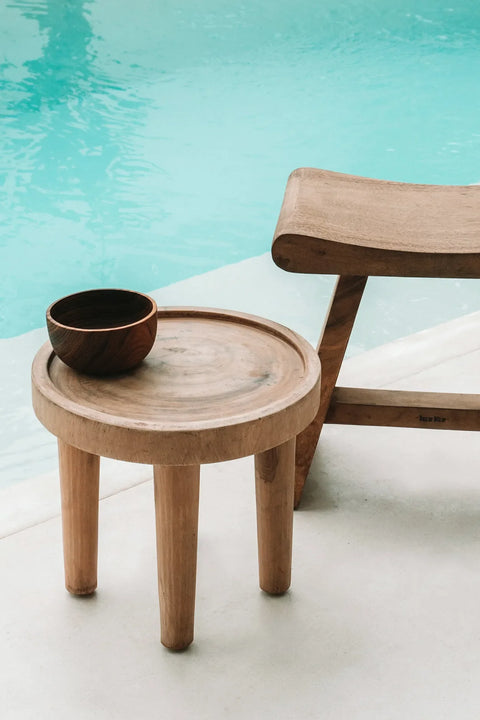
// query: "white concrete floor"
[[382, 618]]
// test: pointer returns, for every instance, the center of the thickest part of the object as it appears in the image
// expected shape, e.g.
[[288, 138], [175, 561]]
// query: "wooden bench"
[[353, 227]]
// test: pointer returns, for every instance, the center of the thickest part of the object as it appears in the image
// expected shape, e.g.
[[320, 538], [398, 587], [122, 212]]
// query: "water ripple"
[[145, 142]]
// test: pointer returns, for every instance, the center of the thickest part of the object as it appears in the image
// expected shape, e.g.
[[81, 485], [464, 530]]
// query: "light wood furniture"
[[216, 386], [353, 227]]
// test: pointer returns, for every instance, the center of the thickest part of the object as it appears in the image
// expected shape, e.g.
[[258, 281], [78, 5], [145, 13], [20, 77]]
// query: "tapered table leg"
[[275, 481], [176, 510], [79, 482]]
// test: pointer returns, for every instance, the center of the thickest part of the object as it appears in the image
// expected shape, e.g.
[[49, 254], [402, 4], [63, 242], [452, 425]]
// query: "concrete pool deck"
[[382, 618]]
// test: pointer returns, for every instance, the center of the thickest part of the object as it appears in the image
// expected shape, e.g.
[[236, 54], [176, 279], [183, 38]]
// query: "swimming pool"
[[145, 142]]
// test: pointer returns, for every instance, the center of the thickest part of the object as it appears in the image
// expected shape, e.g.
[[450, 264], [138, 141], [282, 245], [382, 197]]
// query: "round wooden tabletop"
[[216, 385]]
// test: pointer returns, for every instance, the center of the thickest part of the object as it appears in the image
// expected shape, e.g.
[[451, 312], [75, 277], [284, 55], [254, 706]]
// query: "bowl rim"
[[153, 311]]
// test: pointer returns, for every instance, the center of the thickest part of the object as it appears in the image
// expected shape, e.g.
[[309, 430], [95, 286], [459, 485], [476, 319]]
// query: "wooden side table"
[[216, 386]]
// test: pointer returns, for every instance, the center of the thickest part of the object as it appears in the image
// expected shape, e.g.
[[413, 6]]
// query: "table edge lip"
[[46, 389]]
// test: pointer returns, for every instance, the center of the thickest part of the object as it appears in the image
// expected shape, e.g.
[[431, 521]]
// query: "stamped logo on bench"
[[432, 418]]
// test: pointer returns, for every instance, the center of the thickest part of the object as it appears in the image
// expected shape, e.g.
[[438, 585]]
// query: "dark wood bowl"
[[102, 332]]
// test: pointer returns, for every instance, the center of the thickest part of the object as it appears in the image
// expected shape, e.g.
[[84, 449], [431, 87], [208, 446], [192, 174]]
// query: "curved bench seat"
[[332, 223]]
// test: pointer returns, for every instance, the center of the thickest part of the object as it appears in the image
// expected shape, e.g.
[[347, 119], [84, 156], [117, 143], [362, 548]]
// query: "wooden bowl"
[[102, 332]]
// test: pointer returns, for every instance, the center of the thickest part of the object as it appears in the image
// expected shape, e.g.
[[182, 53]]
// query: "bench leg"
[[79, 483], [176, 510], [331, 350], [274, 482]]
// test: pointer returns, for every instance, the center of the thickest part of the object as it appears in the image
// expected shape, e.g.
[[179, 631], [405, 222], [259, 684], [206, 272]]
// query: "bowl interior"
[[101, 309]]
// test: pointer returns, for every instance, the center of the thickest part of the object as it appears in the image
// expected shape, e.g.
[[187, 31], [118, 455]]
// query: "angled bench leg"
[[331, 350]]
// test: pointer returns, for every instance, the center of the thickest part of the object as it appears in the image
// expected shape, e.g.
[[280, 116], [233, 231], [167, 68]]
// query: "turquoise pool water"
[[144, 142]]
